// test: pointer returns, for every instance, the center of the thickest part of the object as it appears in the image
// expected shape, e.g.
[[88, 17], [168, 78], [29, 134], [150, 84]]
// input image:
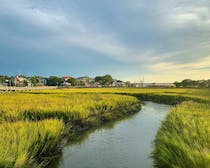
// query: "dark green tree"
[[107, 80], [99, 79], [73, 82], [34, 80], [25, 83], [104, 80], [54, 81]]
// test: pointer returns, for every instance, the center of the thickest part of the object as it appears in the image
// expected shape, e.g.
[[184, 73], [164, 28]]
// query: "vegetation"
[[4, 79], [23, 143], [105, 80], [31, 124], [188, 83], [34, 80], [162, 95], [182, 141], [73, 82], [70, 108], [54, 81], [184, 138]]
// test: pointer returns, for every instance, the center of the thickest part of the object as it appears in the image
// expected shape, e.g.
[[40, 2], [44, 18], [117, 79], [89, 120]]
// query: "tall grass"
[[178, 93], [69, 107], [31, 123], [23, 142], [184, 138]]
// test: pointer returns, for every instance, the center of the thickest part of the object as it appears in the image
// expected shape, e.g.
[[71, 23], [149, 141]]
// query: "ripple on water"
[[126, 145]]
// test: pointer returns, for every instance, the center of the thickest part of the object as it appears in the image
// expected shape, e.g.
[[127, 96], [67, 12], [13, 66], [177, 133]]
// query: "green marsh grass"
[[182, 141], [69, 107], [31, 125], [184, 138], [23, 142]]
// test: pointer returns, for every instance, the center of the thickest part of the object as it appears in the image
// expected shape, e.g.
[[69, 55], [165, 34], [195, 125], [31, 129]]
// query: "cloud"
[[139, 35], [173, 71], [68, 29], [167, 66]]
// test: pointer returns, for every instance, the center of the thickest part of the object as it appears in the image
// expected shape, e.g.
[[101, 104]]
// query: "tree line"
[[189, 83], [105, 80]]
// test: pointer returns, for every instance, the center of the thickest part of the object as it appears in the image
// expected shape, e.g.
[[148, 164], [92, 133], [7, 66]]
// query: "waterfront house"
[[42, 81], [66, 78], [86, 81], [20, 81]]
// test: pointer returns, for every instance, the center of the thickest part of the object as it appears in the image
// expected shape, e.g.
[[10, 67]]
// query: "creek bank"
[[122, 143], [77, 128]]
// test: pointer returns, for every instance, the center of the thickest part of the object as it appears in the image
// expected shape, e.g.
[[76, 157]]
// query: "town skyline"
[[134, 80]]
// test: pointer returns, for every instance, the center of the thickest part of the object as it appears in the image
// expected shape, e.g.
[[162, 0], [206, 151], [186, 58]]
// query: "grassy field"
[[184, 138], [22, 143], [181, 93], [182, 141], [69, 107], [32, 125]]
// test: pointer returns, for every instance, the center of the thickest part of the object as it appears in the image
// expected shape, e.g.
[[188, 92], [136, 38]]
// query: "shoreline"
[[75, 130], [78, 126]]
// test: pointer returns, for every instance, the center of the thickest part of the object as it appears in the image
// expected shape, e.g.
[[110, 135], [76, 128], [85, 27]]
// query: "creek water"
[[122, 144]]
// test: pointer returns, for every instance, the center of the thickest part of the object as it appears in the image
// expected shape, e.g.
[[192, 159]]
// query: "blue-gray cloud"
[[128, 38]]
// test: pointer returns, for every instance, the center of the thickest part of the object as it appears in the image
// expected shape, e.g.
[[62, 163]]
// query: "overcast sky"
[[160, 40]]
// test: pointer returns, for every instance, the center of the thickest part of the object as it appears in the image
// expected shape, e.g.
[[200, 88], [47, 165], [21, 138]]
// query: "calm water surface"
[[123, 144]]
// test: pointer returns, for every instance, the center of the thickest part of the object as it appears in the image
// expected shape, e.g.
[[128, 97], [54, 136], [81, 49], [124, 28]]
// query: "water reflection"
[[122, 144]]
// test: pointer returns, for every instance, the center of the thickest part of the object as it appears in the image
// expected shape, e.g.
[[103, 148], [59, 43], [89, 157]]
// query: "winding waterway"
[[123, 144]]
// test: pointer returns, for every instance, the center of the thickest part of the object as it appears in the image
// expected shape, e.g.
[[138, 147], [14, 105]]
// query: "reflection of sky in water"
[[126, 144]]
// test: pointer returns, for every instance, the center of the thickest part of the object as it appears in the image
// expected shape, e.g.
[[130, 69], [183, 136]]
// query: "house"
[[66, 78], [42, 81], [20, 81], [118, 83], [66, 84], [85, 81]]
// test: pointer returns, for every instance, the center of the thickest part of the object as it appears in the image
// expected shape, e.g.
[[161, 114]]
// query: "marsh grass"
[[184, 138], [22, 143], [31, 123], [69, 107]]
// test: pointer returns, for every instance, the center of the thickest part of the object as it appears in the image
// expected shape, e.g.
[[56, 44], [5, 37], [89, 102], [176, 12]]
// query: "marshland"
[[36, 125], [104, 84]]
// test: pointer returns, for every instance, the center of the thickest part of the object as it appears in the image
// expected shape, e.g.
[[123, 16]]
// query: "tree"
[[73, 82], [54, 81], [34, 80], [104, 80], [178, 84], [107, 80], [99, 79], [188, 83], [4, 79], [25, 83]]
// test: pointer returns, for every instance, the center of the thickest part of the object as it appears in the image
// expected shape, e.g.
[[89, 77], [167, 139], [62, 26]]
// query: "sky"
[[158, 40]]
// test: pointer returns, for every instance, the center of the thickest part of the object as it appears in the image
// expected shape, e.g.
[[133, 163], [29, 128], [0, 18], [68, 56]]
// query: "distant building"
[[66, 78], [137, 85], [85, 81], [118, 83], [42, 82], [168, 85], [66, 84], [20, 81]]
